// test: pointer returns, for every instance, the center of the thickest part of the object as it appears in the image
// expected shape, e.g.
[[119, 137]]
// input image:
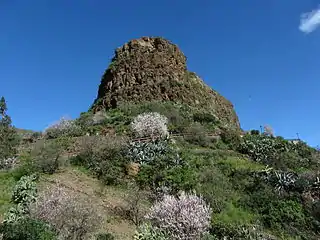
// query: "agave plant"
[[284, 180]]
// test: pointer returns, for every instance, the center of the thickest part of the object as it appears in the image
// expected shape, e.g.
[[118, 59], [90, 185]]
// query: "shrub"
[[104, 236], [150, 124], [196, 134], [183, 217], [215, 187], [231, 138], [283, 214], [146, 152], [106, 160], [8, 163], [45, 157], [71, 216], [27, 229], [204, 117], [262, 148], [167, 170], [147, 232], [63, 127], [24, 193]]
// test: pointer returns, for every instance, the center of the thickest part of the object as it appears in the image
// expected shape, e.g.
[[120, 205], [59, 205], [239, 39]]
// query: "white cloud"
[[310, 21]]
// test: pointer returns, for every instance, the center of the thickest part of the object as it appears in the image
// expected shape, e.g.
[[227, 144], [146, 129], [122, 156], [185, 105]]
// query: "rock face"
[[149, 69]]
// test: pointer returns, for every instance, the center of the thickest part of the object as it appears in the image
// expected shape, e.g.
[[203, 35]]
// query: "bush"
[[283, 214], [204, 117], [24, 193], [168, 171], [196, 134], [63, 127], [183, 217], [150, 125], [231, 138], [27, 229], [106, 160], [45, 157], [104, 236], [146, 152], [71, 216], [262, 148], [147, 232], [8, 163]]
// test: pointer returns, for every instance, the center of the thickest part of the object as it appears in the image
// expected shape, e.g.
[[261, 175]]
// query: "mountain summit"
[[154, 69]]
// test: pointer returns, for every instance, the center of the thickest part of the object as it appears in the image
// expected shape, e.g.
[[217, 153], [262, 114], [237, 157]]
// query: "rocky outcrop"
[[149, 69]]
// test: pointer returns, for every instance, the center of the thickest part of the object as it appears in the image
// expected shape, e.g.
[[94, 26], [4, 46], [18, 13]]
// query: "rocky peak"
[[153, 68]]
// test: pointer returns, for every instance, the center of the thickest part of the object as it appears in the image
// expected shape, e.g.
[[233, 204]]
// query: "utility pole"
[[261, 129]]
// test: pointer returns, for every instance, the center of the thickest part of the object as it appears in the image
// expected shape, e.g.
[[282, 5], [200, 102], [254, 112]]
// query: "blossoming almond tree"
[[150, 124], [186, 217]]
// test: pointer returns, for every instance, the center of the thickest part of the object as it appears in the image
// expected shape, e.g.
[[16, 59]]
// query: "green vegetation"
[[257, 186]]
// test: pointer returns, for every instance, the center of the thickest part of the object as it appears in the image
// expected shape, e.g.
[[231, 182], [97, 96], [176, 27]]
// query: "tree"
[[8, 134], [267, 130]]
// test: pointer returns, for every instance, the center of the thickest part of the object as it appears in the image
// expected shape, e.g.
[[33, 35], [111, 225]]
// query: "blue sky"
[[258, 54]]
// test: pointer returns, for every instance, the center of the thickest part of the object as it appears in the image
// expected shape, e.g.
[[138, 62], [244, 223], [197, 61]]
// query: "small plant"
[[104, 236], [150, 124], [24, 193], [147, 232], [8, 163], [184, 217]]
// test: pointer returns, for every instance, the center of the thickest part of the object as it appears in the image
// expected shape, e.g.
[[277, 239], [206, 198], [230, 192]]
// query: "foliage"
[[184, 217], [106, 160], [147, 152], [284, 213], [64, 127], [150, 124], [104, 236], [27, 229], [71, 216], [168, 172], [24, 193], [279, 153], [44, 157], [148, 232], [8, 134], [8, 163], [231, 138], [196, 134]]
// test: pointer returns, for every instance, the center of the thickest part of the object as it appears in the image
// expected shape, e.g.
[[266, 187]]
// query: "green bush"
[[107, 160], [45, 157], [169, 170], [283, 214], [196, 134], [104, 236], [231, 138], [147, 232], [27, 229], [24, 193]]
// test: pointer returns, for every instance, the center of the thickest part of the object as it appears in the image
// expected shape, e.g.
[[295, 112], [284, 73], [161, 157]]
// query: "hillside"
[[140, 165]]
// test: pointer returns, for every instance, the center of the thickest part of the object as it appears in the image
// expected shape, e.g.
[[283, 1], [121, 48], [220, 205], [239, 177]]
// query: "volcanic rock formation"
[[149, 69]]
